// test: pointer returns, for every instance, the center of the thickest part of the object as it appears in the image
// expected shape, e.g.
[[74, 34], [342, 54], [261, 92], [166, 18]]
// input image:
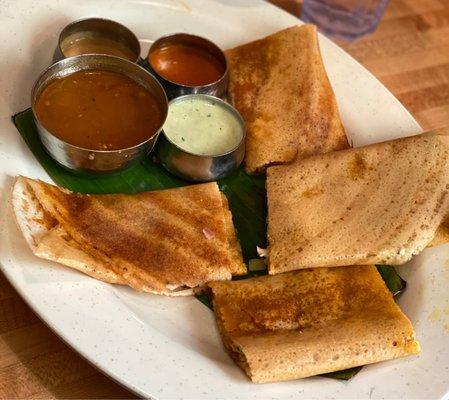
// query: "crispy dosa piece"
[[379, 204], [164, 242], [310, 322], [58, 246], [280, 87], [48, 240]]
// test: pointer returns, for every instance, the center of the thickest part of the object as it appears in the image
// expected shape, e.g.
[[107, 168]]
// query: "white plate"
[[169, 348]]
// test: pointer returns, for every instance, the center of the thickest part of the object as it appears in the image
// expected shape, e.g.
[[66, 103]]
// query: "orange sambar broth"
[[186, 65], [99, 110]]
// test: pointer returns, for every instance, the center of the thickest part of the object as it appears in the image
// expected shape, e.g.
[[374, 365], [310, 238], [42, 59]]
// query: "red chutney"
[[186, 65]]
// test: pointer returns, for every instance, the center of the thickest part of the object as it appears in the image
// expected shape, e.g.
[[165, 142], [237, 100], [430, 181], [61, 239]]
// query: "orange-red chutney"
[[186, 65], [99, 110]]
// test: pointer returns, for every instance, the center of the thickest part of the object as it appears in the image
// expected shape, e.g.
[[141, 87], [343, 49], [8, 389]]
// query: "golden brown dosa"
[[280, 87], [164, 242], [310, 322], [379, 204]]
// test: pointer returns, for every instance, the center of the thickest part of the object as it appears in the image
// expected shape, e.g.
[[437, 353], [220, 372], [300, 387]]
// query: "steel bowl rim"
[[228, 106], [221, 79], [37, 84], [102, 20]]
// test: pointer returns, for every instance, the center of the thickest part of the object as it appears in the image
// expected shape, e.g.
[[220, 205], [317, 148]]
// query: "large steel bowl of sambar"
[[79, 159]]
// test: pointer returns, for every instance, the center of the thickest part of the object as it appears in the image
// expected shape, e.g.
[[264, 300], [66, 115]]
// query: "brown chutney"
[[99, 110]]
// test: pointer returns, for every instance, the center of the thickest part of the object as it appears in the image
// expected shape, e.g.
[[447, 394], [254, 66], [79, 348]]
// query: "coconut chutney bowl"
[[203, 138]]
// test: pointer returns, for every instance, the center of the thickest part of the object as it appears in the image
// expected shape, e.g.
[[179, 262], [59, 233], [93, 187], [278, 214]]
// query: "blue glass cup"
[[344, 19]]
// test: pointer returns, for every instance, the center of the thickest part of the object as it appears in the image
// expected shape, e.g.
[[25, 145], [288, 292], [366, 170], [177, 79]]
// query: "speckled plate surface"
[[169, 348]]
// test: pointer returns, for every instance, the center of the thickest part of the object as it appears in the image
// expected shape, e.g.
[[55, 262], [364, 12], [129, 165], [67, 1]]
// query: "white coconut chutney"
[[203, 126]]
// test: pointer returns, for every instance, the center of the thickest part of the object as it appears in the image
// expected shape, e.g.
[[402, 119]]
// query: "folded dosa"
[[310, 322], [164, 242], [379, 204], [281, 88]]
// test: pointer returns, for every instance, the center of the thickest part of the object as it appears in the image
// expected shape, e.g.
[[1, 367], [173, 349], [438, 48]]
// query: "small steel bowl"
[[201, 168], [174, 89], [80, 159], [97, 28]]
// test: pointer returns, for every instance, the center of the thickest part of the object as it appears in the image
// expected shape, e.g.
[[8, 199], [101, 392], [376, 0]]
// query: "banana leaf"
[[344, 375], [392, 279], [246, 195], [204, 298]]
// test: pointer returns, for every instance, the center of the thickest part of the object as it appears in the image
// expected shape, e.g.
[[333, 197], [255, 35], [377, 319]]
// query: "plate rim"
[[79, 349]]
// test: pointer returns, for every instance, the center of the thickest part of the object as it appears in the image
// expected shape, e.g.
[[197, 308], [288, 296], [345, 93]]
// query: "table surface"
[[409, 53]]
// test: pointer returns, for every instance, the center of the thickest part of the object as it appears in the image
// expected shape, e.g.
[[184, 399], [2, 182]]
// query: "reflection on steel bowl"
[[97, 36]]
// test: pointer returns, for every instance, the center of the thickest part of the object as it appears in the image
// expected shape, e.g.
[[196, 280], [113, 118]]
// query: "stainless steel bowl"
[[201, 168], [80, 159], [174, 89], [97, 28]]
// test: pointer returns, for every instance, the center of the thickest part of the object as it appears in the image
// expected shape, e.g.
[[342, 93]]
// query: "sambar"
[[99, 110]]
